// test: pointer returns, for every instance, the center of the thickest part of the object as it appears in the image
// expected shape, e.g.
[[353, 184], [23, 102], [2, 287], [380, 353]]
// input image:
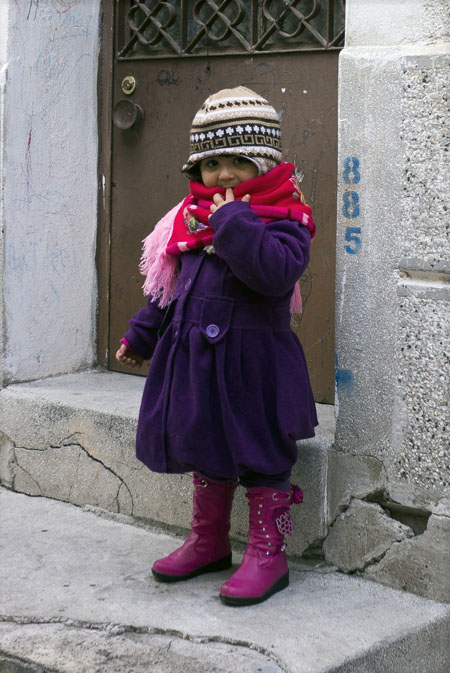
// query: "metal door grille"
[[160, 29]]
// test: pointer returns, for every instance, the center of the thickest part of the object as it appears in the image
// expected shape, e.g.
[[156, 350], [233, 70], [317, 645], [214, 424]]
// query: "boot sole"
[[222, 564], [237, 601]]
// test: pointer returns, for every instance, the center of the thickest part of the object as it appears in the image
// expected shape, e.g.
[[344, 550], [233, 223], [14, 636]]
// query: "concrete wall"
[[4, 7], [393, 291], [50, 197]]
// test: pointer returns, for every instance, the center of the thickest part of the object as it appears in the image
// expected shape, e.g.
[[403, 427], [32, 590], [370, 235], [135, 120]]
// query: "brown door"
[[175, 59]]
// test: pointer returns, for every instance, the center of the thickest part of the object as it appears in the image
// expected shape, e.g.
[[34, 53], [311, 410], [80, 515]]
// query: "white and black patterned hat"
[[236, 121]]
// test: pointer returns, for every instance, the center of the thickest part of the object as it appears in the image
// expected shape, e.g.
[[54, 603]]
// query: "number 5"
[[352, 237]]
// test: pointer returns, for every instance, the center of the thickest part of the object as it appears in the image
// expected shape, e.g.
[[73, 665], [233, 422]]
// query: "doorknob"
[[127, 114]]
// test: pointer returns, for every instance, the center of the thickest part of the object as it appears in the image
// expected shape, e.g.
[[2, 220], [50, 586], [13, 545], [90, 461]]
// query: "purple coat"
[[228, 389]]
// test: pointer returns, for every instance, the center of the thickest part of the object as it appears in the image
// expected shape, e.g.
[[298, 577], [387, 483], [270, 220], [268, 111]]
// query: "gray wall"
[[50, 196], [4, 7], [393, 272]]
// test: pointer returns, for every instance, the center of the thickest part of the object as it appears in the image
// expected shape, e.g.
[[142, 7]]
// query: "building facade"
[[382, 485]]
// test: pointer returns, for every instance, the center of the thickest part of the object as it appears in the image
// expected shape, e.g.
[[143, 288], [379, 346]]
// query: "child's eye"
[[211, 163], [240, 161]]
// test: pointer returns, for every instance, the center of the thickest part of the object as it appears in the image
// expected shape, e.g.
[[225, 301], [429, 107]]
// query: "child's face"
[[227, 171]]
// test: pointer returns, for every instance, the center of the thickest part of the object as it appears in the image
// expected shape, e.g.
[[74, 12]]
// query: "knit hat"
[[236, 121]]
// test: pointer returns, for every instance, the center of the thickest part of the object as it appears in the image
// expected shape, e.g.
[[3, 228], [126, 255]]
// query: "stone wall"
[[3, 65], [390, 469], [50, 197]]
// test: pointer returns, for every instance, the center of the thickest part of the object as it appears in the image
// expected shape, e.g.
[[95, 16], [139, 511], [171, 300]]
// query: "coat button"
[[187, 284], [212, 330]]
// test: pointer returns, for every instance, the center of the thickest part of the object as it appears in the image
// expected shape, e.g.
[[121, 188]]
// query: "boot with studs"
[[264, 569], [207, 549]]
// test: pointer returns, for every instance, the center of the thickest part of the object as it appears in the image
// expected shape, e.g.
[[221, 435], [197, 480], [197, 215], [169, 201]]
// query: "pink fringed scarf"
[[274, 196]]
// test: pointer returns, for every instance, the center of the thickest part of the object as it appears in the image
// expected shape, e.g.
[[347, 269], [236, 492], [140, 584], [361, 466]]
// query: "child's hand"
[[219, 201], [127, 357]]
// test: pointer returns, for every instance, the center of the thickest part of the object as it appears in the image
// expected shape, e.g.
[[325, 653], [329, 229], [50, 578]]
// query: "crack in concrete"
[[360, 571], [370, 498], [66, 443], [380, 496], [12, 466], [26, 664], [122, 482], [116, 629], [40, 495], [377, 559], [442, 515]]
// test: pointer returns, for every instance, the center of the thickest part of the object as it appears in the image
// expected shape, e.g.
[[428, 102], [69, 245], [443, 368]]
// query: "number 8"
[[350, 209], [351, 173]]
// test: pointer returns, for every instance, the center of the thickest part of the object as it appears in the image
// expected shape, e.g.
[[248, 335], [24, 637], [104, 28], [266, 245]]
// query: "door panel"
[[146, 177]]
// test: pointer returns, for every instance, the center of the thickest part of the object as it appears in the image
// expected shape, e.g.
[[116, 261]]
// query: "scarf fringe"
[[160, 269], [296, 300]]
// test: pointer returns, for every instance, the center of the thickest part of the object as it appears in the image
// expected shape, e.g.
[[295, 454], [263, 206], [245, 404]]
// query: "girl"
[[228, 392]]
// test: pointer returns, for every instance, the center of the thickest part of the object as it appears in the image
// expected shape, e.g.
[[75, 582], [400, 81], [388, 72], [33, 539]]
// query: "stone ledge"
[[72, 438]]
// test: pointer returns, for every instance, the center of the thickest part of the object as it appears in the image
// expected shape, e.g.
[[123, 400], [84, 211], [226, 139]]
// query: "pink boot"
[[264, 569], [207, 549]]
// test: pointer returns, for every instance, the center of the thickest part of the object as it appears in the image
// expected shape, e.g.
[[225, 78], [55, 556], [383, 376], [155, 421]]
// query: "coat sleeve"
[[144, 325], [268, 257]]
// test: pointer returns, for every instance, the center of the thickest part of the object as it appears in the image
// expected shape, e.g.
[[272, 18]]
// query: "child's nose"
[[226, 173]]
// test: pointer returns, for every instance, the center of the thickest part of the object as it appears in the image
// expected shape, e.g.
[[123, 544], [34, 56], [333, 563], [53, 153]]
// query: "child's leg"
[[264, 569], [207, 548], [281, 482]]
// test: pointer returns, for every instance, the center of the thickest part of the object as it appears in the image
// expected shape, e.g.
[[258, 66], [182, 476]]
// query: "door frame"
[[103, 252]]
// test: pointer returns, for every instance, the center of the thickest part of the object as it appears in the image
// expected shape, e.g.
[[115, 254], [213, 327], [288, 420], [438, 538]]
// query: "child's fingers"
[[120, 354], [132, 363], [219, 201], [246, 198], [124, 356]]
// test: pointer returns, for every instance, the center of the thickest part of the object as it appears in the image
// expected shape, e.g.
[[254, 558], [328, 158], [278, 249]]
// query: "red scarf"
[[273, 196]]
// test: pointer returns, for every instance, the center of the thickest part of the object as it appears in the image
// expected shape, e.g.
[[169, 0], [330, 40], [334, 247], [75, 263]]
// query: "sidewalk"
[[77, 595]]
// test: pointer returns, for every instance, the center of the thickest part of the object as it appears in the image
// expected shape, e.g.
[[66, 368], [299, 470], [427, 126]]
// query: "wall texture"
[[4, 7], [50, 198], [393, 290]]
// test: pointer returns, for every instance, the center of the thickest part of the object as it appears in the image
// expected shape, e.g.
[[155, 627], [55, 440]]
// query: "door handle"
[[126, 114]]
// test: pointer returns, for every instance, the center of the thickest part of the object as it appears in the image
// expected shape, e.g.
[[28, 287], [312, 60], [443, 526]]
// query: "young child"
[[228, 392]]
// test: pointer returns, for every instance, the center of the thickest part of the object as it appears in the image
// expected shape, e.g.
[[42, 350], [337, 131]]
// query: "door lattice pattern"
[[158, 29]]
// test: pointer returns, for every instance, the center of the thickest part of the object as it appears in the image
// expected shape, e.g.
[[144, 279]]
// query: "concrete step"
[[72, 438], [77, 595]]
